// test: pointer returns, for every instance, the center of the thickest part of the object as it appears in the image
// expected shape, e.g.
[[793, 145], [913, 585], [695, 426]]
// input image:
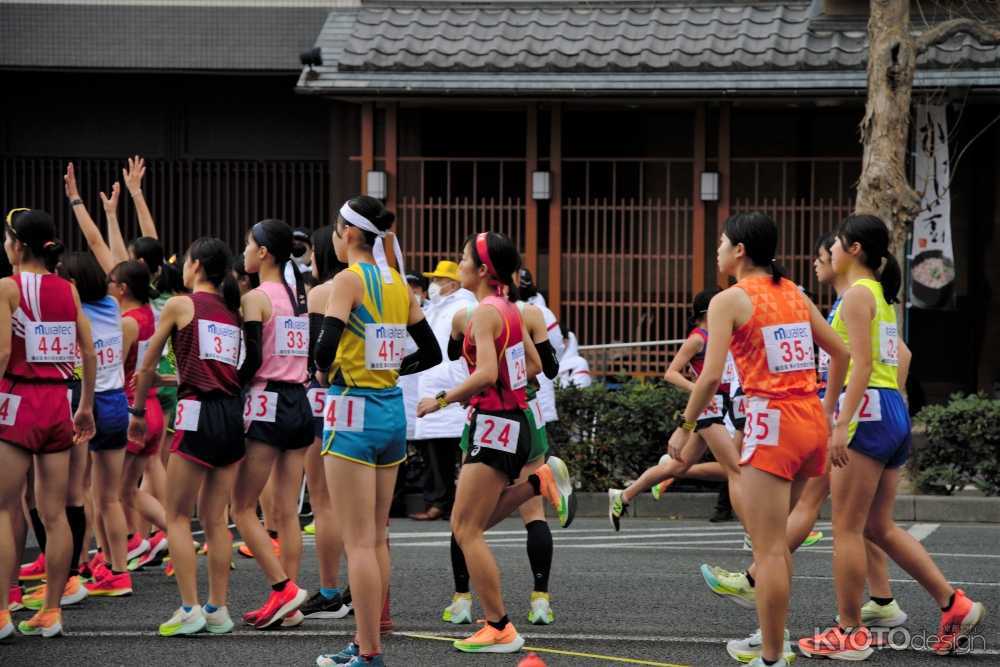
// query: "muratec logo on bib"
[[792, 332], [54, 330], [225, 331], [114, 341], [397, 333], [296, 324]]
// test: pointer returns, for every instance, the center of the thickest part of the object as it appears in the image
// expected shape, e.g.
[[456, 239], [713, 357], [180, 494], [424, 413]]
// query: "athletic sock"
[[536, 484], [77, 519], [540, 553], [273, 534], [210, 608], [882, 601], [39, 528], [368, 657], [951, 602], [329, 593], [280, 586], [118, 572], [750, 579], [769, 662], [459, 570], [501, 624], [187, 609]]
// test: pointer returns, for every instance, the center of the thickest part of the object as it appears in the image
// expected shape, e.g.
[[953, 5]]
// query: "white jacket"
[[449, 422], [574, 371], [546, 390]]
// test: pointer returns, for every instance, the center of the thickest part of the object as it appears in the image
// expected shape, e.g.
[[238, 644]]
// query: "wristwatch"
[[441, 400], [136, 411], [685, 424], [75, 202]]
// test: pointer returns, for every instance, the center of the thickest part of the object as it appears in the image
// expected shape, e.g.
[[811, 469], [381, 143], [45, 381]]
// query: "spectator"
[[528, 292], [574, 371]]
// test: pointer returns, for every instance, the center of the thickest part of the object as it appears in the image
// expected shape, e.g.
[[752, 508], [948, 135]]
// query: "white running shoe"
[[218, 622], [541, 610], [293, 619], [747, 649], [184, 622], [874, 615], [459, 611]]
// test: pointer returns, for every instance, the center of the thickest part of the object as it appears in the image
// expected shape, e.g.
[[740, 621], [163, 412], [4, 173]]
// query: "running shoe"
[[15, 599], [459, 611], [74, 592], [33, 571], [310, 528], [759, 662], [345, 655], [733, 586], [96, 561], [6, 626], [358, 661], [168, 567], [838, 645], [319, 607], [617, 508], [557, 487], [111, 585], [812, 538], [247, 553], [218, 622], [293, 619], [747, 649], [541, 609], [958, 623], [491, 640], [137, 546], [184, 622], [875, 615], [45, 623], [251, 616], [659, 489], [279, 604]]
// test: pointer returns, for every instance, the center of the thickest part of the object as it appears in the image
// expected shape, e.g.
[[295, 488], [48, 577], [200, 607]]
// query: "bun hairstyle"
[[150, 251], [278, 238], [324, 257], [873, 236], [500, 257], [135, 276], [35, 229], [88, 277], [527, 289], [699, 307], [372, 210], [170, 279], [217, 262], [759, 235]]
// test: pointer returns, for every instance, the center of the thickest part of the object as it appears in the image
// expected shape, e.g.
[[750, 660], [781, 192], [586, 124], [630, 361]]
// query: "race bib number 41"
[[517, 368], [384, 346], [291, 336], [496, 433], [218, 342], [345, 413], [50, 342], [789, 347]]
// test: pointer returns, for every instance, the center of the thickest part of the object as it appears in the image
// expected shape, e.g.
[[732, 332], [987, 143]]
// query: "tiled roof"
[[521, 46]]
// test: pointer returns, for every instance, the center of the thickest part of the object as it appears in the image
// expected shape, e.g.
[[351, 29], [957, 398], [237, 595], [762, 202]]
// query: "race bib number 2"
[[188, 412], [497, 433], [789, 347], [219, 342], [50, 342], [384, 346]]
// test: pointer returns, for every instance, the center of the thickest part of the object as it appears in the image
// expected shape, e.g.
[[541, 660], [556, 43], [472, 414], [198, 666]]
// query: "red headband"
[[484, 256]]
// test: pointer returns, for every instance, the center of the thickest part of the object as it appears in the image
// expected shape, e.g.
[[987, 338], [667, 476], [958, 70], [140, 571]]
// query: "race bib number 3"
[[291, 336], [9, 404], [218, 342], [50, 342], [345, 413], [789, 347], [763, 425], [517, 368], [260, 406], [188, 412], [496, 433], [888, 343], [317, 400], [384, 346]]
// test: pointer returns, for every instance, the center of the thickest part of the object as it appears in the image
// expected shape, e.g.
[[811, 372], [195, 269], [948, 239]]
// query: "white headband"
[[378, 251]]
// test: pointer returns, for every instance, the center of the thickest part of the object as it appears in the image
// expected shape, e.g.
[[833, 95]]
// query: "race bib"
[[468, 415], [536, 412], [870, 409], [384, 346], [345, 413], [109, 358], [714, 409], [291, 336], [824, 362], [9, 404], [188, 412], [739, 404], [497, 433], [789, 347], [50, 342], [317, 400], [517, 369], [729, 372], [140, 353], [888, 343], [763, 425], [219, 342], [260, 406]]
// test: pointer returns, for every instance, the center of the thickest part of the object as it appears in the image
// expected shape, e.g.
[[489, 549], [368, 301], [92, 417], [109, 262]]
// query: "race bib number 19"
[[497, 433], [291, 336], [384, 346], [50, 342], [517, 368], [789, 347], [188, 412], [888, 343], [218, 342]]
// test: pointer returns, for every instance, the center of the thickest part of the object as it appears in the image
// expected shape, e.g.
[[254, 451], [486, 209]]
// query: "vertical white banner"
[[932, 260]]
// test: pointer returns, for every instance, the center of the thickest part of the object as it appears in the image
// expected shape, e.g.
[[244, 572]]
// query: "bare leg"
[[878, 572], [287, 478], [214, 498], [138, 501], [107, 492], [693, 450], [16, 463], [51, 482], [255, 469], [329, 543], [184, 480]]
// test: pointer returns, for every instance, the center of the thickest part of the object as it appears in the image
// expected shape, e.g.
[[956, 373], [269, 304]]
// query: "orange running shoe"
[[557, 487], [246, 552], [33, 571], [6, 627], [491, 640], [73, 593], [958, 623], [835, 644], [46, 623]]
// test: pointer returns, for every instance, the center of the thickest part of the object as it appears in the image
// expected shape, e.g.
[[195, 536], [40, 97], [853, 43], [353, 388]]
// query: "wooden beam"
[[391, 154], [698, 231], [555, 211], [531, 206], [367, 143], [725, 174]]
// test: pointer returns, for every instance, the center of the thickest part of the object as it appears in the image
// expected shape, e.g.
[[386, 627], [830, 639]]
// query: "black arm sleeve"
[[327, 342], [428, 354], [251, 364], [315, 324], [550, 364], [455, 347]]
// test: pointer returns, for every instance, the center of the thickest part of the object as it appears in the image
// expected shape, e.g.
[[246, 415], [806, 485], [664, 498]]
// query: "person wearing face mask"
[[302, 252], [438, 434]]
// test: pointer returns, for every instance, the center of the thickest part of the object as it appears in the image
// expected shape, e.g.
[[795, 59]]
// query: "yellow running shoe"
[[541, 609]]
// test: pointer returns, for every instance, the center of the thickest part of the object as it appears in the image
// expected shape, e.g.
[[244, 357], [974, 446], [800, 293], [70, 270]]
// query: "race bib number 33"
[[789, 347], [291, 336], [218, 342], [50, 342], [384, 346], [260, 406]]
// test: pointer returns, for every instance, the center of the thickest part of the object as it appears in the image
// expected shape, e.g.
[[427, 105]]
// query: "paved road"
[[631, 598]]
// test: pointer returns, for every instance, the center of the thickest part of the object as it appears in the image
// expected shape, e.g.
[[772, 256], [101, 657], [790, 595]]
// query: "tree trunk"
[[883, 188]]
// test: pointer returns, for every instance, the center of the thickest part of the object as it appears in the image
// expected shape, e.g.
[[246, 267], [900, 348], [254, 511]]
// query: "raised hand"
[[69, 180], [133, 174], [111, 203]]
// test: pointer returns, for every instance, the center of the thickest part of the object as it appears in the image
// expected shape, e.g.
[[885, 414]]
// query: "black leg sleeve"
[[540, 553], [459, 569]]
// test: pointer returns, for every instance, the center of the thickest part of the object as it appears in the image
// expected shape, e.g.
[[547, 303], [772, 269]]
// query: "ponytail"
[[230, 290], [759, 235], [35, 229], [873, 236], [891, 279], [296, 287], [217, 264], [50, 253], [777, 273]]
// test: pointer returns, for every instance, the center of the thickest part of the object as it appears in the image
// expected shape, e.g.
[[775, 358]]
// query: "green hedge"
[[610, 436], [962, 447]]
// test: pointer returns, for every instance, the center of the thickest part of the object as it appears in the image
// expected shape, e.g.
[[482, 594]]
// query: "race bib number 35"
[[517, 368], [50, 342], [260, 406], [384, 346], [317, 400], [789, 347], [888, 343], [9, 404], [188, 412], [345, 413], [763, 425], [496, 433], [218, 342], [291, 336]]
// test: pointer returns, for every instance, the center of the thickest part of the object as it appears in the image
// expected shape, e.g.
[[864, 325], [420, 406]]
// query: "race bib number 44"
[[888, 343], [497, 433], [517, 369], [9, 403], [714, 408], [789, 347], [345, 413], [384, 346], [218, 342], [50, 342], [188, 412], [291, 336]]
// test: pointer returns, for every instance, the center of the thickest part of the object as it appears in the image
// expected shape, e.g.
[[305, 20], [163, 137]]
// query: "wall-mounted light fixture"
[[377, 184], [710, 186], [540, 185]]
